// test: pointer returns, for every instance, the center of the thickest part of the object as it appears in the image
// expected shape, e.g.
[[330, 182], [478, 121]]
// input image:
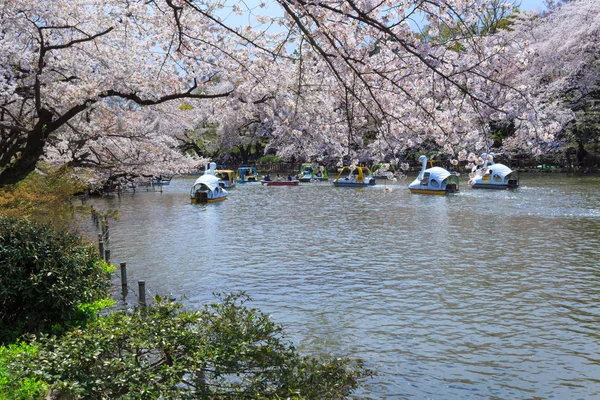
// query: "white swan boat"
[[494, 176], [434, 180], [207, 189]]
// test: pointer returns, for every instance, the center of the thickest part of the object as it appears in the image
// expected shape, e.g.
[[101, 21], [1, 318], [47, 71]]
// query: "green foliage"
[[186, 107], [586, 127], [15, 382], [203, 141], [225, 350], [42, 196], [104, 217], [268, 159], [89, 311], [493, 19], [500, 130], [47, 278]]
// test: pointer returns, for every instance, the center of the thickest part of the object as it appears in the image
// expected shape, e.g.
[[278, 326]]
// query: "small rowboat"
[[280, 183]]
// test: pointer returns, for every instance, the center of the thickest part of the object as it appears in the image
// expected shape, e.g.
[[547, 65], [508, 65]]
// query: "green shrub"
[[48, 277], [15, 382], [268, 159], [43, 196], [164, 351]]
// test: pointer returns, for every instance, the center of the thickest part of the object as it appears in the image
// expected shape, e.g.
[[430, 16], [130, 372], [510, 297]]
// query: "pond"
[[481, 294]]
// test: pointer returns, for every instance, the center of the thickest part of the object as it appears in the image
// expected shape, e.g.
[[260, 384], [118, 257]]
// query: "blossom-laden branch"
[[58, 64]]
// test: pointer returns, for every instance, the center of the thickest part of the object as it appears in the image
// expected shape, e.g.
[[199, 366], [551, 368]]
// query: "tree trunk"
[[245, 153], [20, 165], [581, 155]]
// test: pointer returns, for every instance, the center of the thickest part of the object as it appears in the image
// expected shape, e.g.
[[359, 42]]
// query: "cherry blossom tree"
[[292, 108], [380, 79], [125, 143], [415, 89], [100, 83], [286, 104], [562, 74], [70, 69]]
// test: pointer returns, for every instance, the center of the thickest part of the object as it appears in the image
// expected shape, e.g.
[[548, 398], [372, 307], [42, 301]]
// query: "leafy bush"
[[225, 350], [42, 196], [48, 277], [268, 159], [15, 384]]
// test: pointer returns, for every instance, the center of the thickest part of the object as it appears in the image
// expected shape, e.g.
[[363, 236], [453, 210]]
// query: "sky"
[[531, 5], [275, 10]]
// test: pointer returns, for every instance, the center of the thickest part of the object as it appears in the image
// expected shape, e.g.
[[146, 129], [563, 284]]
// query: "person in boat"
[[267, 178], [278, 177], [289, 178]]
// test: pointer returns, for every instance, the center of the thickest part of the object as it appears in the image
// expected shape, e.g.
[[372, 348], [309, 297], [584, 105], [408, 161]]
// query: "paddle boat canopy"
[[354, 177], [494, 176], [226, 177], [435, 180], [247, 174], [207, 189], [311, 172]]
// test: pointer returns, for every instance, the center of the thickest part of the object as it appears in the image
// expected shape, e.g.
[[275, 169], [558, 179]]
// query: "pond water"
[[482, 294]]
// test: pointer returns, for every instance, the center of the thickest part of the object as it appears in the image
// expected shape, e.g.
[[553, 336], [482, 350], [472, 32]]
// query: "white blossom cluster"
[[338, 80]]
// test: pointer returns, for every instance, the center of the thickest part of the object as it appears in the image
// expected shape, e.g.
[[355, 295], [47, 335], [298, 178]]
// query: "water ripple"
[[479, 295]]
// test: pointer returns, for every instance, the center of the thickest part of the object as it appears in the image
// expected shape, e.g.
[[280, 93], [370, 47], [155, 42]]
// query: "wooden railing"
[[270, 167]]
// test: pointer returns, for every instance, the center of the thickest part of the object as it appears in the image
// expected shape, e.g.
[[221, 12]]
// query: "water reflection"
[[490, 294]]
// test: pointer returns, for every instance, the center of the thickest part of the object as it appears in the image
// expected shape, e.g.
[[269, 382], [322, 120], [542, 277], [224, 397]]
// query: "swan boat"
[[354, 177], [494, 176], [435, 180], [310, 173], [207, 189]]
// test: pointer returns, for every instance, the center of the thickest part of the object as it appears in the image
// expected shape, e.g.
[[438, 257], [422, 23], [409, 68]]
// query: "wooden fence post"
[[106, 237], [124, 279], [142, 290], [200, 377], [101, 246]]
